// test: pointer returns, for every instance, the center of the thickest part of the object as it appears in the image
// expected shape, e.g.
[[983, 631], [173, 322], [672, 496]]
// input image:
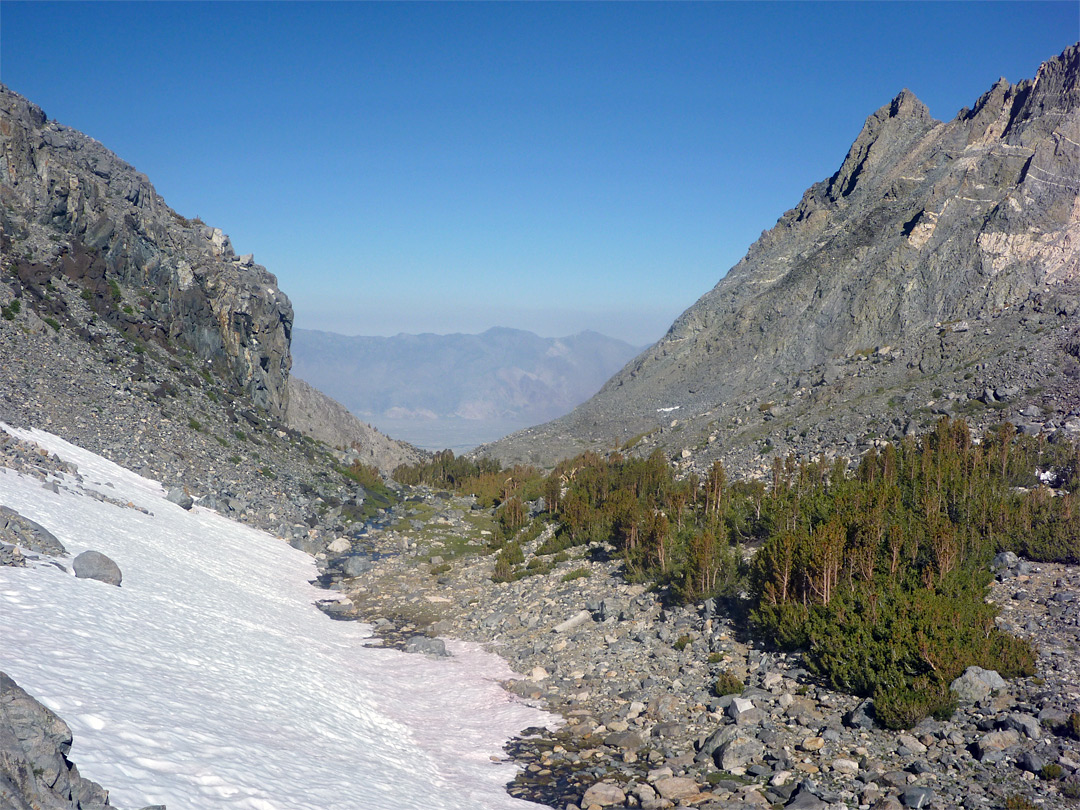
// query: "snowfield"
[[210, 679]]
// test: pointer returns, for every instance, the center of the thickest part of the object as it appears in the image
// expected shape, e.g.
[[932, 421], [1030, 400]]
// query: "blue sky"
[[442, 167]]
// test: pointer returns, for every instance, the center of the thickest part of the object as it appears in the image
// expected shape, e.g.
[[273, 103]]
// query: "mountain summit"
[[936, 271]]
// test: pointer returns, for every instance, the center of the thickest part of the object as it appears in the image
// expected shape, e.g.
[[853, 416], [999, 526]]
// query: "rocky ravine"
[[938, 271], [633, 675]]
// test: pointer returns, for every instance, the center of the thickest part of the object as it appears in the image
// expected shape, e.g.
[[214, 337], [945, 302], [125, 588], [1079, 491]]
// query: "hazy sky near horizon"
[[449, 167]]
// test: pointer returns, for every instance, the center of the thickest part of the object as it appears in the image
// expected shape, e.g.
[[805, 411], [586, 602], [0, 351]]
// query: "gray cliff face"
[[70, 207], [925, 225]]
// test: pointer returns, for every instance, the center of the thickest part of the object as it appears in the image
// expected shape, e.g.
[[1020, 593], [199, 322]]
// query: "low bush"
[[728, 684], [1050, 772], [577, 573]]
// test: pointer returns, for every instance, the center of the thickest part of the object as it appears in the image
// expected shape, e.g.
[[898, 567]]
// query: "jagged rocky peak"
[[72, 207], [973, 221]]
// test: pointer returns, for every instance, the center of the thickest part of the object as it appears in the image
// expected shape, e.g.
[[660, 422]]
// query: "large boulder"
[[738, 753], [604, 794], [976, 684], [180, 497], [427, 646], [95, 565]]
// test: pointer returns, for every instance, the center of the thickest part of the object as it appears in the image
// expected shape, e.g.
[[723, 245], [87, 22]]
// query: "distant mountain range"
[[457, 390]]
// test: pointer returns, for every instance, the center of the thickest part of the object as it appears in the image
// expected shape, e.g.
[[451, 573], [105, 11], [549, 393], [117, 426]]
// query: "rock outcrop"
[[34, 769], [940, 262], [73, 209]]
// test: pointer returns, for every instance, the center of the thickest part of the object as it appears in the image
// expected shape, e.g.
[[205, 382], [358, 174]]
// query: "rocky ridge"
[[937, 271], [73, 210]]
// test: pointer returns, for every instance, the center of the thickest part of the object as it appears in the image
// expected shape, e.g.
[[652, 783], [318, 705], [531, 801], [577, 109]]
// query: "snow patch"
[[210, 679]]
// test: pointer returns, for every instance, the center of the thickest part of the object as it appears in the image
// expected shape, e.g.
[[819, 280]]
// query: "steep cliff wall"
[[71, 207]]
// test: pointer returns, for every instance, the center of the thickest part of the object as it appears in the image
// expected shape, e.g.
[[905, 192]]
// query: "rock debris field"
[[634, 680]]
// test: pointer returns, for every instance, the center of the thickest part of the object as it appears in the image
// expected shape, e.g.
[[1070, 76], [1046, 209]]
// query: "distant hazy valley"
[[457, 391]]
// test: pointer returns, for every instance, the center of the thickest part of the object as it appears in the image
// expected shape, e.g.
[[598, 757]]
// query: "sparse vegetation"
[[728, 684], [577, 573]]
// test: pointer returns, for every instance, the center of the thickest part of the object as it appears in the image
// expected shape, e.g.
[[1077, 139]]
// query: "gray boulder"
[[862, 716], [30, 535], [976, 684], [355, 565], [95, 565], [1030, 761], [917, 797], [1026, 724], [738, 753], [427, 646], [1004, 561], [34, 769], [178, 496]]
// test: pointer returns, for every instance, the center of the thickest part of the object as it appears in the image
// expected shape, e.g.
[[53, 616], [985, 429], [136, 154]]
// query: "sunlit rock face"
[[928, 252], [72, 208]]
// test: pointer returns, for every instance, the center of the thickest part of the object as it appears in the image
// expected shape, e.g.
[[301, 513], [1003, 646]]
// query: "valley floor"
[[633, 678]]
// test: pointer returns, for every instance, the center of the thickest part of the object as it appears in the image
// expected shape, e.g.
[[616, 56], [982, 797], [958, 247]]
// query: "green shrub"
[[903, 707], [1072, 726], [1050, 772], [1070, 788], [715, 658], [577, 573], [558, 543], [509, 555], [11, 310], [681, 643], [442, 568], [194, 424], [86, 295], [114, 291], [1018, 802], [538, 566], [728, 684], [55, 324]]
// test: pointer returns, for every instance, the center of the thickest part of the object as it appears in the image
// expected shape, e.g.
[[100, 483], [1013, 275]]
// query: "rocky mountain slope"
[[137, 296], [938, 271], [438, 387], [72, 209], [314, 414]]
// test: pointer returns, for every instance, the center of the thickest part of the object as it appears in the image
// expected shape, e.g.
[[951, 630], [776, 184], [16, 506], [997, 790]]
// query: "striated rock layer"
[[940, 262], [72, 208]]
